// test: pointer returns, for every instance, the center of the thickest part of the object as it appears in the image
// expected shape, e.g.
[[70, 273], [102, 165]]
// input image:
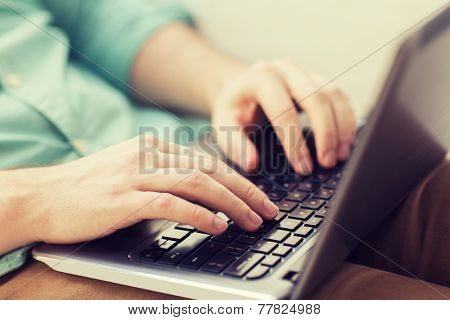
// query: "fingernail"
[[305, 166], [255, 218], [270, 207], [330, 158], [344, 151], [219, 224]]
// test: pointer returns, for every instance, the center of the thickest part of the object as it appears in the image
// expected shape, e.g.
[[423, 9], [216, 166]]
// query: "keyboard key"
[[324, 193], [322, 177], [196, 259], [249, 238], [277, 235], [236, 249], [223, 216], [313, 221], [291, 276], [264, 185], [289, 177], [330, 203], [234, 227], [308, 185], [264, 247], [293, 241], [175, 234], [183, 249], [276, 195], [282, 251], [163, 244], [271, 261], [337, 175], [331, 183], [323, 212], [288, 186], [151, 254], [301, 213], [258, 272], [217, 263], [289, 224], [225, 237], [241, 266], [298, 196], [266, 226], [287, 206], [185, 227], [280, 216], [304, 231], [312, 203]]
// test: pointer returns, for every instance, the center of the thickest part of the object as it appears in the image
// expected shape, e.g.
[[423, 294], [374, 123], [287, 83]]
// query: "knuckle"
[[335, 93], [321, 99], [209, 166], [165, 201], [195, 214], [249, 190], [195, 178]]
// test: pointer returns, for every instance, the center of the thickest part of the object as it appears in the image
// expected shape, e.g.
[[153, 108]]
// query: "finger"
[[317, 106], [169, 207], [270, 91], [234, 142], [345, 123], [229, 178], [344, 118], [199, 187]]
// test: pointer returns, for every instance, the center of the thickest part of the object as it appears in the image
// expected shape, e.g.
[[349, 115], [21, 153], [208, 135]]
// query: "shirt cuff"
[[14, 259]]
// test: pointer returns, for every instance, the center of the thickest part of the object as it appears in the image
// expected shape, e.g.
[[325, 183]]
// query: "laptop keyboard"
[[303, 202]]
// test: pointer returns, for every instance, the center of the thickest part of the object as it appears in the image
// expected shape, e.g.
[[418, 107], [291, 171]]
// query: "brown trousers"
[[411, 260]]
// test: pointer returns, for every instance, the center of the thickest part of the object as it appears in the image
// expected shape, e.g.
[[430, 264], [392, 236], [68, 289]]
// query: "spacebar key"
[[244, 264]]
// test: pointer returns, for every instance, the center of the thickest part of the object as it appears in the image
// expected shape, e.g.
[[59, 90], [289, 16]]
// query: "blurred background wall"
[[328, 36]]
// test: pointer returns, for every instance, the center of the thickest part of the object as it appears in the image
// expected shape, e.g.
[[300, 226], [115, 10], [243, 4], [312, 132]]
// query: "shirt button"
[[79, 144], [13, 80]]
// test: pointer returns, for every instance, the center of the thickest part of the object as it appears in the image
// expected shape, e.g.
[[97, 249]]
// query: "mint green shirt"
[[56, 105]]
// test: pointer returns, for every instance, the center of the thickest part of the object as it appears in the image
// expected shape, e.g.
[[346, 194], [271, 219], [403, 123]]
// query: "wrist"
[[19, 209], [223, 72]]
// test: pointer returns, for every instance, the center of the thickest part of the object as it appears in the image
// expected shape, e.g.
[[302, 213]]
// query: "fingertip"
[[270, 209], [304, 164], [329, 159], [343, 151], [219, 225], [252, 163]]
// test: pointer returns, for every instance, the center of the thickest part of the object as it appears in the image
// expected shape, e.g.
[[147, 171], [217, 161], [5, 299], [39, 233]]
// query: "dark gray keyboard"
[[303, 204]]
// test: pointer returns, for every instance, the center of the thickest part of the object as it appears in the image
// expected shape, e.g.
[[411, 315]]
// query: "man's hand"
[[122, 185], [201, 78], [271, 88]]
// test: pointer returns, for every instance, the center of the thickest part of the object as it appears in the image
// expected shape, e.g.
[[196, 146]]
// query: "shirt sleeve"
[[14, 259], [108, 34]]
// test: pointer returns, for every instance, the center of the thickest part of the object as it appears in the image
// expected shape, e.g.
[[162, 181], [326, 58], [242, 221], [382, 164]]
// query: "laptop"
[[322, 218]]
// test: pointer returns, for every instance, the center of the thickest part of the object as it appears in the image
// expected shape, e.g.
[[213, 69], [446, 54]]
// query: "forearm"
[[177, 67], [16, 219]]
